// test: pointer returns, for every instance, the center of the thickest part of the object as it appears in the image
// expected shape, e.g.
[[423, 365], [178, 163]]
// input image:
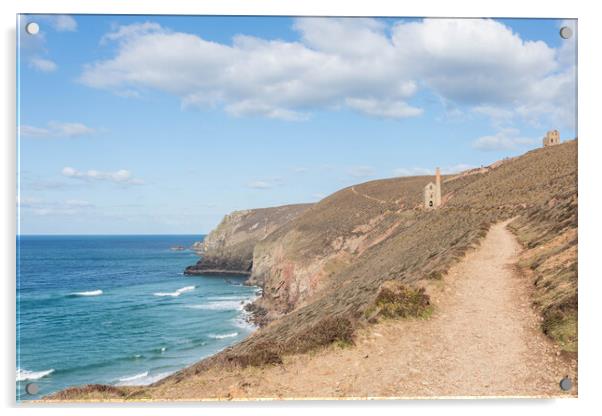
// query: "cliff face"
[[229, 248], [298, 260]]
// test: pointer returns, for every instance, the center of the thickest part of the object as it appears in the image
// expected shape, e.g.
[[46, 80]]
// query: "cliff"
[[228, 249]]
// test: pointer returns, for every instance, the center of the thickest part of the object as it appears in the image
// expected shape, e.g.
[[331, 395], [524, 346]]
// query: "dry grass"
[[550, 237], [92, 392]]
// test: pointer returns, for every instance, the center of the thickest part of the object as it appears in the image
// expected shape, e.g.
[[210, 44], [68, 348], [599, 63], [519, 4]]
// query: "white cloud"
[[41, 64], [505, 139], [62, 23], [56, 129], [253, 76], [260, 185], [472, 60], [122, 176], [385, 109], [362, 64], [128, 31], [361, 171]]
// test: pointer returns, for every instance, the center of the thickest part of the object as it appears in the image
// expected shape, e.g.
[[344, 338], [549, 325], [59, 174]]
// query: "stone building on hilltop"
[[432, 192], [552, 138]]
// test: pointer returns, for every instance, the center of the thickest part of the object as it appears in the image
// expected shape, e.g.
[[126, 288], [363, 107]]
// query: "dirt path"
[[380, 201], [484, 339]]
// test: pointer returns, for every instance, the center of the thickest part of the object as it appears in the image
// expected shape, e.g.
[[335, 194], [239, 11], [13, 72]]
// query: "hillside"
[[372, 242], [366, 252], [229, 248]]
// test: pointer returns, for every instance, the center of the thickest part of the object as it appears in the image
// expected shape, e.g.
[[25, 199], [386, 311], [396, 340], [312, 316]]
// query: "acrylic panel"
[[247, 207]]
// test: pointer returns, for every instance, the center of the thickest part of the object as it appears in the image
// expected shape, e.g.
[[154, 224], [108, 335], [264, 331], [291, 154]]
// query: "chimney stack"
[[438, 178]]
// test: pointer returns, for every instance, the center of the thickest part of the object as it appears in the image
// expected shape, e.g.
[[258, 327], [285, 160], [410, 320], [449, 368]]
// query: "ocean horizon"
[[117, 309]]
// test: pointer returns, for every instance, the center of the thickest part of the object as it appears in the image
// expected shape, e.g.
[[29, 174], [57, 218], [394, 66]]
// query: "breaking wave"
[[97, 292], [134, 377], [142, 379], [23, 375], [223, 305], [176, 293], [222, 336]]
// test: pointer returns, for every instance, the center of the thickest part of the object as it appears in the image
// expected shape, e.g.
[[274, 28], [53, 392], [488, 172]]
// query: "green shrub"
[[395, 300]]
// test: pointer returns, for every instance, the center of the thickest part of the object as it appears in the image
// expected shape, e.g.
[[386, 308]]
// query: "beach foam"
[[23, 375], [222, 305], [222, 336], [220, 298], [142, 379], [176, 293], [134, 377], [97, 292]]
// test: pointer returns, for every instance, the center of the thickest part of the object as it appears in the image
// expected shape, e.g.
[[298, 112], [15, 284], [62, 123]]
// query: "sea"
[[118, 310]]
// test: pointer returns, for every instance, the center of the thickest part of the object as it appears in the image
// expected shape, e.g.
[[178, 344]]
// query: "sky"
[[164, 124]]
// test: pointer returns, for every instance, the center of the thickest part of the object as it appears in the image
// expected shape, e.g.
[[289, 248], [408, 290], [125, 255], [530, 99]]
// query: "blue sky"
[[163, 124]]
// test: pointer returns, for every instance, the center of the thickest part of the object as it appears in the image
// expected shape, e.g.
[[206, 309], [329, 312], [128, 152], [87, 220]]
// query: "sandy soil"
[[483, 339]]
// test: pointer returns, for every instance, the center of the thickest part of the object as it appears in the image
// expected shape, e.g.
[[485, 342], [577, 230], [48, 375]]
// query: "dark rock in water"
[[177, 248], [220, 266], [257, 314]]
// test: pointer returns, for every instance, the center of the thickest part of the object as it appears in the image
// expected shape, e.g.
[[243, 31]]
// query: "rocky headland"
[[228, 250]]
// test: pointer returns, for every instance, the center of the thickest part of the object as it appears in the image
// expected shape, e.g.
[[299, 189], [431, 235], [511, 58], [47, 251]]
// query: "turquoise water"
[[117, 310]]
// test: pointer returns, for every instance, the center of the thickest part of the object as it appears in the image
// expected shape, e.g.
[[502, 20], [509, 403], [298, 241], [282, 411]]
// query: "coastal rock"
[[228, 250], [198, 247]]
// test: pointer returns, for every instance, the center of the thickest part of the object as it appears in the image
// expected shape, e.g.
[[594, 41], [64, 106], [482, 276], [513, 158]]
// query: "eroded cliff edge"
[[228, 249]]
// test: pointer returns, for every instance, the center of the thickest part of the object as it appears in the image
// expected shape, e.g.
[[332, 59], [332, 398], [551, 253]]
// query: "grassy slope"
[[536, 188]]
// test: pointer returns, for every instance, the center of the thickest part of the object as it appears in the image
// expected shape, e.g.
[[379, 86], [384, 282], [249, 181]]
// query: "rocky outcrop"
[[228, 250]]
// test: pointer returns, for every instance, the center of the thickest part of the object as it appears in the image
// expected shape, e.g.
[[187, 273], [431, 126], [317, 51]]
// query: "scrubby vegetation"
[[550, 237], [91, 392], [396, 300]]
